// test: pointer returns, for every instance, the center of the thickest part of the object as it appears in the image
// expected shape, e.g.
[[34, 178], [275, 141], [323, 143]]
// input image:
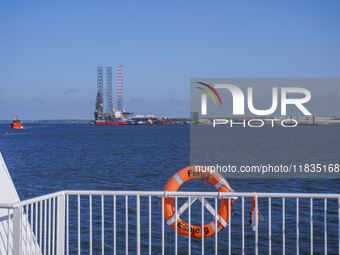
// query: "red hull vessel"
[[111, 123], [16, 124], [116, 122]]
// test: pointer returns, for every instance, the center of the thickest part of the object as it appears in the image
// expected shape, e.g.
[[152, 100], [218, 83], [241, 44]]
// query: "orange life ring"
[[191, 173]]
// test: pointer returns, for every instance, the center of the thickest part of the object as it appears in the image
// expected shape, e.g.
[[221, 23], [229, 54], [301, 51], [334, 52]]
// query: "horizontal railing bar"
[[6, 206], [32, 200], [38, 199], [168, 194], [200, 194]]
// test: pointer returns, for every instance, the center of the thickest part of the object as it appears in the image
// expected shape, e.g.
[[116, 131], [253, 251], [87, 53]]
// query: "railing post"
[[17, 231], [61, 225]]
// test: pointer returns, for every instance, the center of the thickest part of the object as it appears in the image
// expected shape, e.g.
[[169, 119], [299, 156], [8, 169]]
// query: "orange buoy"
[[6, 133], [191, 173]]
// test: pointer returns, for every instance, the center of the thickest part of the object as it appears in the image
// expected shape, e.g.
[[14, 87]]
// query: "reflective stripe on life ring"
[[191, 173]]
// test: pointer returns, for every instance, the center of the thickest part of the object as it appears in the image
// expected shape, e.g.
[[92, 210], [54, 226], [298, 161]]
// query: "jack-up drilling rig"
[[112, 116]]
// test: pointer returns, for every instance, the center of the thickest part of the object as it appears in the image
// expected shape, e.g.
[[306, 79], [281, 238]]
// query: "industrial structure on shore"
[[112, 116], [118, 116]]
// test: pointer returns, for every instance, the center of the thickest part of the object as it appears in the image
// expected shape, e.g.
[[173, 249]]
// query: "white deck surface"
[[8, 194]]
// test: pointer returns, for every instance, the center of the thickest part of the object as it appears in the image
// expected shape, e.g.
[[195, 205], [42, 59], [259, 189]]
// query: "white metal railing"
[[93, 222]]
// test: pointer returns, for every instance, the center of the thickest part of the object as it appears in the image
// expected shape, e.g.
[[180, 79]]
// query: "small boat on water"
[[16, 124]]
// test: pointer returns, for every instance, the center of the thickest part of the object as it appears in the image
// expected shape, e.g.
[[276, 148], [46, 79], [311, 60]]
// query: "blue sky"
[[49, 50]]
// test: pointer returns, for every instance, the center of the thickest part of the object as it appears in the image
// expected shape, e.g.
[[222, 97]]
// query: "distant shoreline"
[[66, 121], [50, 121]]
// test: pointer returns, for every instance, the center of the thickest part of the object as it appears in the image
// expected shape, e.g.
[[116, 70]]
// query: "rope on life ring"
[[192, 173]]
